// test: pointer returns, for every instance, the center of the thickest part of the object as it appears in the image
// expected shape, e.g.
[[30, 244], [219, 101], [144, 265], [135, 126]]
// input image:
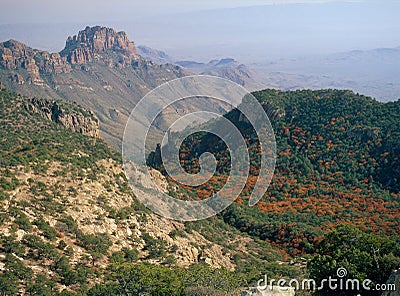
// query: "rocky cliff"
[[78, 120], [91, 42], [16, 55], [82, 48]]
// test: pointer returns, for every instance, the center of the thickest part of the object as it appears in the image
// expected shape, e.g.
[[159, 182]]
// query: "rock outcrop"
[[16, 55], [89, 43], [52, 63], [274, 291], [84, 122], [83, 48], [18, 79]]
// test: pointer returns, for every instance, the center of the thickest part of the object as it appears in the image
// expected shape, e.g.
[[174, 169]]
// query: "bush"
[[363, 255], [45, 227], [156, 247], [177, 232], [4, 195], [38, 248], [11, 245], [23, 222]]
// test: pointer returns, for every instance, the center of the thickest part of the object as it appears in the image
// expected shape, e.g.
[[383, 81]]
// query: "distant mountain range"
[[272, 54], [104, 71], [227, 68], [374, 72], [155, 55]]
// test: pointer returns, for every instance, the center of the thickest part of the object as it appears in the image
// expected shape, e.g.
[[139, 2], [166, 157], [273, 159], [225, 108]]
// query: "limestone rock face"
[[86, 124], [98, 68], [18, 79], [52, 63], [89, 43], [14, 55]]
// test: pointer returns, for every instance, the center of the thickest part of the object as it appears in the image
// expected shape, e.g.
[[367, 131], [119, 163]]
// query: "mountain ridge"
[[98, 69], [101, 70]]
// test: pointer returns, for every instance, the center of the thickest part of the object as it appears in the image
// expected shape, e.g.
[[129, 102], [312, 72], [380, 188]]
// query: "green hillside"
[[338, 164], [70, 224], [338, 161]]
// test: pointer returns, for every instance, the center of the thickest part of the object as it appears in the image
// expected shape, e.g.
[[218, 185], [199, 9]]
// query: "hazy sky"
[[207, 29], [45, 11], [260, 33]]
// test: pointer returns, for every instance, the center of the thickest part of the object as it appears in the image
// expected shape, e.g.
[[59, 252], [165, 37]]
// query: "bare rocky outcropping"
[[15, 55], [274, 291], [99, 69], [89, 43], [83, 48], [86, 124]]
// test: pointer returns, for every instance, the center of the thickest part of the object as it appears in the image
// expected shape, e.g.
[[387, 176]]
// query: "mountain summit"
[[98, 69], [84, 47]]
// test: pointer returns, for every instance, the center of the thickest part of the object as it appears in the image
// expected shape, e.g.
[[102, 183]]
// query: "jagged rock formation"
[[85, 47], [15, 55], [75, 121], [51, 63], [89, 43], [18, 79]]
